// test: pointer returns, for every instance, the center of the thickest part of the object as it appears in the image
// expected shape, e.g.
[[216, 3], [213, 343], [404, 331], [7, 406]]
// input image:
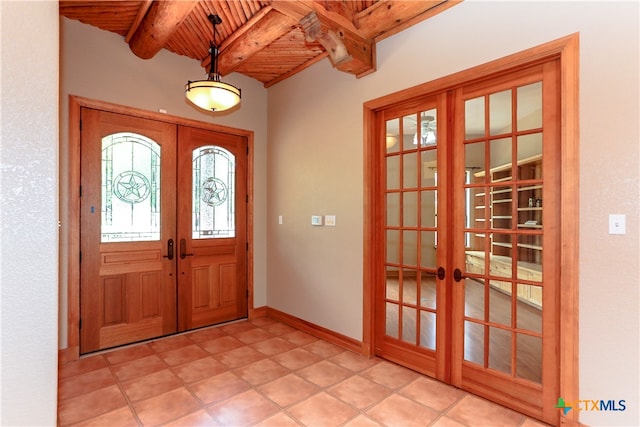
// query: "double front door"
[[163, 229], [468, 264]]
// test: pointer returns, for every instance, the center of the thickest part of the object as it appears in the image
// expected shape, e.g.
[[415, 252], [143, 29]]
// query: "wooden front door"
[[153, 261], [212, 221], [468, 264]]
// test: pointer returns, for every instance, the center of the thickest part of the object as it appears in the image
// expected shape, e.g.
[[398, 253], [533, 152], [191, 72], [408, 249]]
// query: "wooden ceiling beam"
[[142, 11], [348, 49], [161, 21], [388, 17], [260, 31]]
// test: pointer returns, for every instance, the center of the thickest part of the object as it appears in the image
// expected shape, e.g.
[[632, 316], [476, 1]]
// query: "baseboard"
[[255, 313], [315, 330], [68, 354]]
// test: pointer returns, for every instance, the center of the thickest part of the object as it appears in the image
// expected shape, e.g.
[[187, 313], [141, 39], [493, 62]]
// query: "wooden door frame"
[[566, 50], [76, 103]]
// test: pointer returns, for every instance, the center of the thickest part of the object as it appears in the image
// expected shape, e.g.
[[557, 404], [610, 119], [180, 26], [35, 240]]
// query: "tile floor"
[[264, 373]]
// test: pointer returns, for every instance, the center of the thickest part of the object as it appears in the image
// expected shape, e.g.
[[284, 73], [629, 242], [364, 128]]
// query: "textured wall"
[[29, 212]]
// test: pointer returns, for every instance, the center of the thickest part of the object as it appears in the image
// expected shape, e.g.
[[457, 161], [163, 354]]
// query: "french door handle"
[[169, 250], [441, 273], [457, 275], [183, 249]]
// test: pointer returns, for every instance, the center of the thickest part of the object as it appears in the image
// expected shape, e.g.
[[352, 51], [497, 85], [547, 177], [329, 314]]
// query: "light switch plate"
[[330, 220], [316, 219], [617, 224]]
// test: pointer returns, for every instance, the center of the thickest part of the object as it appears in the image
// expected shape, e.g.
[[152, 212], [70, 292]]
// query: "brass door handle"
[[183, 249], [169, 250]]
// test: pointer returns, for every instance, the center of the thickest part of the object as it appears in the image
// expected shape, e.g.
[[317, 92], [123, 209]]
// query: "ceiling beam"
[[348, 49], [388, 17], [158, 25], [265, 27], [142, 11]]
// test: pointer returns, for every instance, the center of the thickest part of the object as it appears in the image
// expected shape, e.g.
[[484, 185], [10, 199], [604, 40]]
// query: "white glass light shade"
[[212, 95], [391, 140]]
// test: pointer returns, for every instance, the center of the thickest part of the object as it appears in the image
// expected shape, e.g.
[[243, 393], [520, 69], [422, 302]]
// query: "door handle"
[[441, 273], [183, 249], [169, 250], [457, 275]]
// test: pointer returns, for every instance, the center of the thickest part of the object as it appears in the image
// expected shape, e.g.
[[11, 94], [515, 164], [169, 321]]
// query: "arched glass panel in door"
[[130, 188], [213, 207]]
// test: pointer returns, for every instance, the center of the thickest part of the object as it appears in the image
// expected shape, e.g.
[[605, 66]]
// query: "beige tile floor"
[[264, 373]]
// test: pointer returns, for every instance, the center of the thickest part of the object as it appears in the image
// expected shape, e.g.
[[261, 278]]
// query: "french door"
[[163, 229], [469, 268]]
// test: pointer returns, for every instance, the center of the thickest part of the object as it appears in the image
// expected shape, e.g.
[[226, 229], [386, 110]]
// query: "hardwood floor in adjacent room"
[[259, 372]]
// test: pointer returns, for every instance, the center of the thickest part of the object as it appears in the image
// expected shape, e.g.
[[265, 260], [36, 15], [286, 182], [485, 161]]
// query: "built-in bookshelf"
[[509, 210]]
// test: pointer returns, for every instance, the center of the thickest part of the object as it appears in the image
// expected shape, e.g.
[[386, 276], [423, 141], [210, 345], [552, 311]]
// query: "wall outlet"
[[617, 224], [316, 219]]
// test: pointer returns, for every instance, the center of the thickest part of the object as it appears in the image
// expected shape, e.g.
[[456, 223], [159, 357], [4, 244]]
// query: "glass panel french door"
[[414, 248], [505, 240], [469, 269]]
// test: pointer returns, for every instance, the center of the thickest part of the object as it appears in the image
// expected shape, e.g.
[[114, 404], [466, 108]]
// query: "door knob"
[[169, 250], [457, 275], [183, 249], [441, 273]]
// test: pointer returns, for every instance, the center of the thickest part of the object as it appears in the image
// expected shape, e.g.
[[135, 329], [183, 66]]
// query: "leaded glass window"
[[130, 188], [213, 209]]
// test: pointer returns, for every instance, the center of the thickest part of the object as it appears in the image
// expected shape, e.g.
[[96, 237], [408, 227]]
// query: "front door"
[[159, 210], [470, 239], [212, 244]]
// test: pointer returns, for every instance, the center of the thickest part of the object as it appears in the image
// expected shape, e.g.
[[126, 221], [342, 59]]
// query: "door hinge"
[[80, 324], [247, 245], [80, 124], [80, 257], [80, 191]]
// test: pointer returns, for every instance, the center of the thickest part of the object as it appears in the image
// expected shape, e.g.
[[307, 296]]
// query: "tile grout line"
[[124, 394]]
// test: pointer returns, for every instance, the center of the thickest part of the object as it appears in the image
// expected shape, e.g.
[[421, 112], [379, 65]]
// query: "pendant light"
[[212, 94]]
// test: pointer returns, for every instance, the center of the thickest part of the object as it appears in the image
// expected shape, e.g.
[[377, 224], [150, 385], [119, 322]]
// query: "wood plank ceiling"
[[266, 40]]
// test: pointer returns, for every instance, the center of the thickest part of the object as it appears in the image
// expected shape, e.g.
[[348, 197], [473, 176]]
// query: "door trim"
[[72, 220], [566, 50]]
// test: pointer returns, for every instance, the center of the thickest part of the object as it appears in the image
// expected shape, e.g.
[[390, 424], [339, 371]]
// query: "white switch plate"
[[280, 219], [330, 220], [617, 224], [316, 219]]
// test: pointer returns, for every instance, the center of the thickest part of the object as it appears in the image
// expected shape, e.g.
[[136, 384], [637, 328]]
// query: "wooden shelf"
[[509, 204], [507, 166], [530, 209], [530, 187], [530, 226], [520, 245]]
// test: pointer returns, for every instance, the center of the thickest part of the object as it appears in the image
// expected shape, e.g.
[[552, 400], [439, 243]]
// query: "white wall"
[[29, 213], [315, 162], [99, 65]]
